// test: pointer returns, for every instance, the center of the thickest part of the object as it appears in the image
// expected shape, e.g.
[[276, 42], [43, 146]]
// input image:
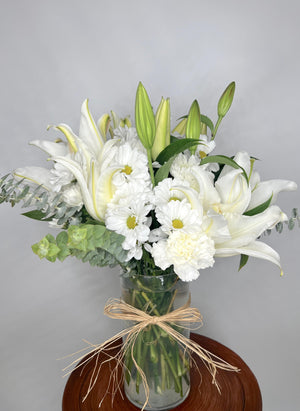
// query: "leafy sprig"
[[47, 206], [89, 243]]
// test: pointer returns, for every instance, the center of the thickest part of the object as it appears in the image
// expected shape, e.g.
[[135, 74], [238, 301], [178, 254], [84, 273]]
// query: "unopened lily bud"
[[162, 121], [181, 127], [115, 119], [203, 129], [226, 100], [144, 118], [127, 122], [103, 125], [193, 124]]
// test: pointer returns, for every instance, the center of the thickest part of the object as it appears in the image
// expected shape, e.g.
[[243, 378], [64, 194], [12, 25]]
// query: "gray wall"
[[53, 55]]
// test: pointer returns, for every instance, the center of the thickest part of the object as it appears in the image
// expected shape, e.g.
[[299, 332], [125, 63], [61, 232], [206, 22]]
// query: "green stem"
[[150, 166], [216, 127]]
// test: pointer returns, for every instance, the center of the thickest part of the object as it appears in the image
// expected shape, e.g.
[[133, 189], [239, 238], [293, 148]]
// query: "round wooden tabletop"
[[239, 390]]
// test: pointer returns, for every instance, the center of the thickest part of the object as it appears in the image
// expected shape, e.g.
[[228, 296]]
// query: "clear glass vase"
[[165, 364]]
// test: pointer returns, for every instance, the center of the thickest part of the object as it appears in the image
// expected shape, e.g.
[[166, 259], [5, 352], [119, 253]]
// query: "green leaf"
[[176, 148], [206, 120], [243, 261], [37, 215], [163, 171], [260, 208], [220, 159]]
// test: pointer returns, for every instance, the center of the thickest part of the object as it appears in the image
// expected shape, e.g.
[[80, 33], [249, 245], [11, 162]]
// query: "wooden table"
[[240, 391]]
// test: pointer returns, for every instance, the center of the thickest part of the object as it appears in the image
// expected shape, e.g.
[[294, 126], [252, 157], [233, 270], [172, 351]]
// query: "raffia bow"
[[118, 309]]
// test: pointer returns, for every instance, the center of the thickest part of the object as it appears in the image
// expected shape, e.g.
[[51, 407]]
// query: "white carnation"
[[187, 252]]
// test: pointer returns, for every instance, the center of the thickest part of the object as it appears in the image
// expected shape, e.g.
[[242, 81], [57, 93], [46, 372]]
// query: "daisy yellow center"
[[202, 154], [176, 223], [127, 170], [174, 199], [131, 222]]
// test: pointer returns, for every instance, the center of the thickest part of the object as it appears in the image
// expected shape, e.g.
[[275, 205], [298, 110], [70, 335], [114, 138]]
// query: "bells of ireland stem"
[[193, 124], [144, 118], [162, 121]]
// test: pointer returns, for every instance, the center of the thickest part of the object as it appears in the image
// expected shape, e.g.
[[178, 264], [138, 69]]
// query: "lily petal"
[[52, 148], [265, 189], [245, 229], [37, 175], [256, 249], [75, 168], [88, 131], [70, 136], [234, 192]]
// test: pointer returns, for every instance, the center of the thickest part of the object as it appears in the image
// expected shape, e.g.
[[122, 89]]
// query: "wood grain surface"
[[239, 391]]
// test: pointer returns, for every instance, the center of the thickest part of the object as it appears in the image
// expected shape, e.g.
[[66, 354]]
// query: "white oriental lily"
[[244, 231]]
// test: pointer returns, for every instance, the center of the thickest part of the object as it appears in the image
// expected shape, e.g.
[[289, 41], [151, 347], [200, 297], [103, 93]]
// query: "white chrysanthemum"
[[71, 194], [187, 252], [182, 168], [205, 147], [60, 176], [130, 219], [178, 215], [128, 135]]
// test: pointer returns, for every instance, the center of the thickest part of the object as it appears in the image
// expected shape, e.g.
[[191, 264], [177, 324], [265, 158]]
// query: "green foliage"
[[47, 206], [163, 171], [290, 223], [89, 243], [220, 159], [260, 208], [176, 147]]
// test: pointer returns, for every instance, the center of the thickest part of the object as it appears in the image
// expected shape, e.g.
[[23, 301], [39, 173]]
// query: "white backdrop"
[[54, 55]]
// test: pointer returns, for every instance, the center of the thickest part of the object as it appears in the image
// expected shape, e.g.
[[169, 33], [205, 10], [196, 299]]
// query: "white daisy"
[[187, 252], [133, 165], [178, 215], [129, 218], [166, 191]]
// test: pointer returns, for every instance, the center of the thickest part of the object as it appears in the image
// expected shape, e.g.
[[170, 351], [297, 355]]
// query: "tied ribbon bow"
[[119, 309]]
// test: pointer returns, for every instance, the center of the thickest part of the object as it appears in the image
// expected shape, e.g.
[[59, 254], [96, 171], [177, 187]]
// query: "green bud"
[[193, 124], [144, 118], [162, 121], [226, 100]]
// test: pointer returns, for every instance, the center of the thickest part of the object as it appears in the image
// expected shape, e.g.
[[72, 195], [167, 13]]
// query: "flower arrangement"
[[152, 201], [145, 198]]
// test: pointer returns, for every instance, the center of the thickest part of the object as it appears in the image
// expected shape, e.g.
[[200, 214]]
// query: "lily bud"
[[144, 118], [181, 127], [162, 121], [103, 125], [193, 124], [226, 100], [125, 122]]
